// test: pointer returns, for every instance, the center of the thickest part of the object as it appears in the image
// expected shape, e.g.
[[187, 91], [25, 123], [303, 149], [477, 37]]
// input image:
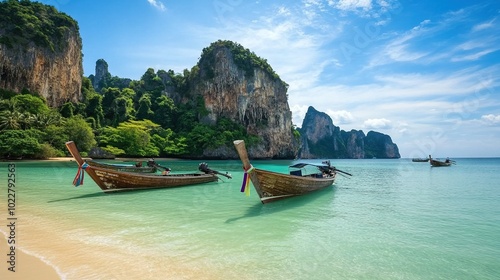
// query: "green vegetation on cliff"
[[24, 22], [243, 58]]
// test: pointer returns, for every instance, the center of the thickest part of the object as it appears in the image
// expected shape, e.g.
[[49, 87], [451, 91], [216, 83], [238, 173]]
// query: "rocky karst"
[[41, 56], [321, 139], [251, 96]]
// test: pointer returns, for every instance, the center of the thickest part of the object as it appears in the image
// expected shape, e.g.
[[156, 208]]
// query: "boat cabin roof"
[[302, 165]]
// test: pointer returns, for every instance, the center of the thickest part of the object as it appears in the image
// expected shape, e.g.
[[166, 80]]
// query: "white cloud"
[[377, 124], [483, 26], [340, 117], [473, 56], [298, 114], [350, 5], [491, 119], [470, 45], [157, 4]]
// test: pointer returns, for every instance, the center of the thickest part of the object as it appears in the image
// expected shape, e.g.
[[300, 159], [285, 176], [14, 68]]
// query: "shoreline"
[[28, 266], [69, 159]]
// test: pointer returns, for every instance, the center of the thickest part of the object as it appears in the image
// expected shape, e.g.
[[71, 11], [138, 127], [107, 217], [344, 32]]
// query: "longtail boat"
[[420, 159], [272, 186], [438, 163], [124, 168], [110, 180]]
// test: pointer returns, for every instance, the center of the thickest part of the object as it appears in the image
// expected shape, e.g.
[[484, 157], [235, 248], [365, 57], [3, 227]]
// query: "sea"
[[392, 219]]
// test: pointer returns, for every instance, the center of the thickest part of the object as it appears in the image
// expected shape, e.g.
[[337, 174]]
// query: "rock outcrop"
[[50, 66], [319, 136], [378, 145], [251, 96], [103, 78], [321, 139]]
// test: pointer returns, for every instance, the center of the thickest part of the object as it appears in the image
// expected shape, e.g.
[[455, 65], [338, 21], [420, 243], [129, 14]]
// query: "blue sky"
[[424, 72]]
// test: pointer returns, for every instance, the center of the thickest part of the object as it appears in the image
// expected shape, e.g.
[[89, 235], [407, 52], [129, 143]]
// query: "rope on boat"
[[80, 175]]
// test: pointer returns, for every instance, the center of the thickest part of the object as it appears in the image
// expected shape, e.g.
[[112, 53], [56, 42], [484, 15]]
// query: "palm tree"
[[11, 120], [43, 120]]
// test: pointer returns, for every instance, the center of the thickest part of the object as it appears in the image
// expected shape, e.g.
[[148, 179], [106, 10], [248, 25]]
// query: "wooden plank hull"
[[111, 180], [437, 163], [123, 168], [272, 186]]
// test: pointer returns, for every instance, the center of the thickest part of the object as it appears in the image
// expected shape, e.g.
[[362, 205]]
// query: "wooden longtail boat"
[[272, 186], [110, 180], [438, 163], [420, 159], [123, 168]]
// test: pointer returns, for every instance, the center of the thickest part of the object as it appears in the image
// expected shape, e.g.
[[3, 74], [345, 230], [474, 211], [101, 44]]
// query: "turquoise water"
[[394, 219]]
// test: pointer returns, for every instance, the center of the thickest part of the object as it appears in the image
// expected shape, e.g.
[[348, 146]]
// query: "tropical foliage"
[[243, 58], [24, 22], [116, 120]]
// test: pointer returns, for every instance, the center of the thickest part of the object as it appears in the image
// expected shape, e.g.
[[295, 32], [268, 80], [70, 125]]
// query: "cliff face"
[[48, 64], [103, 78], [55, 76], [379, 145], [322, 139], [254, 99], [319, 136]]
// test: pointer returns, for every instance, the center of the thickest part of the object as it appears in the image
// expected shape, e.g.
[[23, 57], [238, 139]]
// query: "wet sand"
[[27, 267]]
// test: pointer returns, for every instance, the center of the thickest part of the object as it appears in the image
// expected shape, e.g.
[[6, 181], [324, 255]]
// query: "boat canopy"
[[302, 165]]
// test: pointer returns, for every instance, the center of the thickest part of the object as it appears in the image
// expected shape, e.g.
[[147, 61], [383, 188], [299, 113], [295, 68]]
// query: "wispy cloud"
[[377, 124], [350, 5], [483, 26], [340, 117], [473, 56], [491, 119], [157, 4]]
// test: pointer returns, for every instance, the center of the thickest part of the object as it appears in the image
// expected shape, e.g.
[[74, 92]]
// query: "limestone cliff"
[[103, 79], [378, 145], [321, 139], [319, 136], [46, 60], [248, 94]]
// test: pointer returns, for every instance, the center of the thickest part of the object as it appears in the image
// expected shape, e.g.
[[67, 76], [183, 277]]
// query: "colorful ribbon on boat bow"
[[245, 187], [80, 175]]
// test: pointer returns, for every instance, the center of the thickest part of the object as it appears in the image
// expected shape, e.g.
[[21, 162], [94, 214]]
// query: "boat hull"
[[437, 163], [420, 160], [112, 181], [272, 186], [275, 186]]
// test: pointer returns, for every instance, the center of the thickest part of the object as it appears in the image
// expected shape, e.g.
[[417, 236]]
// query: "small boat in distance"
[[438, 163], [420, 159], [110, 180], [272, 186]]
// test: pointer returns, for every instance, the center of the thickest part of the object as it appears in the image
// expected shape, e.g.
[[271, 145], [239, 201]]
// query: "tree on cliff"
[[24, 22]]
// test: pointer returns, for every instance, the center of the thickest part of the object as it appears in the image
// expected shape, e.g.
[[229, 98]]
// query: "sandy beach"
[[27, 267]]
